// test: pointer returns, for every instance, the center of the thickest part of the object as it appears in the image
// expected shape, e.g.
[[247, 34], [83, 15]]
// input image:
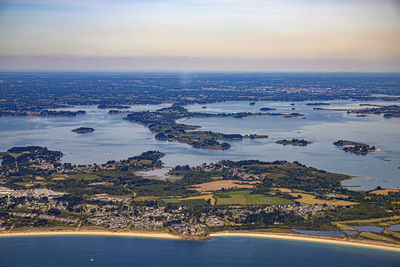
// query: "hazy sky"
[[253, 35]]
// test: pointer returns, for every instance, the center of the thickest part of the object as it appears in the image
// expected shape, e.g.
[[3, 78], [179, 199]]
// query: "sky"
[[200, 35]]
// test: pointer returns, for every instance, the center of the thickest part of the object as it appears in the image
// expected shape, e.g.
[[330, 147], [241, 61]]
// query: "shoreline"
[[92, 233], [161, 235], [314, 239]]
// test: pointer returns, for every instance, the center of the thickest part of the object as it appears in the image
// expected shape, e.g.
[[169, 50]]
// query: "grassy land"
[[16, 155], [84, 176], [343, 227], [378, 237], [146, 198], [170, 200], [245, 198], [205, 197], [386, 221]]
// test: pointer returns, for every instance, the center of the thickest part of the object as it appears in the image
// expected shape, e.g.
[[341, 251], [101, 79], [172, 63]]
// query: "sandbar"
[[381, 246]]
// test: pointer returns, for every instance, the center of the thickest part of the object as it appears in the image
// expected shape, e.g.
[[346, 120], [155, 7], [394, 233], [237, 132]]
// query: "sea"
[[219, 251], [116, 138]]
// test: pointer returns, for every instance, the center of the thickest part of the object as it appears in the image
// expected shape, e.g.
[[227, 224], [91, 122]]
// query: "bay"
[[219, 251], [115, 138]]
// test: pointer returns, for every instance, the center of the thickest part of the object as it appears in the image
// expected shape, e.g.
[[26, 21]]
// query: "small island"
[[354, 147], [267, 109], [82, 130], [63, 113], [115, 106], [294, 142], [318, 104]]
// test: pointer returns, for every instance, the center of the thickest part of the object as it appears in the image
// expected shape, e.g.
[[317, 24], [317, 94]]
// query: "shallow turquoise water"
[[222, 251]]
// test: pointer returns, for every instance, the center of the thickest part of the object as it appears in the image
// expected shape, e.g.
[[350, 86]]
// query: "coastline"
[[92, 233], [315, 239], [160, 235]]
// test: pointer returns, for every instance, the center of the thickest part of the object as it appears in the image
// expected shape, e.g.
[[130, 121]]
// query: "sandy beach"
[[317, 239], [332, 241], [92, 233]]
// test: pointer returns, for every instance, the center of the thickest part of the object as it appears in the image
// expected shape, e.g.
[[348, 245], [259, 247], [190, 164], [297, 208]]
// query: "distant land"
[[25, 93]]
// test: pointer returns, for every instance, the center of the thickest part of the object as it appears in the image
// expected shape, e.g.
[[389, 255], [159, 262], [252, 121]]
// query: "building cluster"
[[35, 193], [44, 216]]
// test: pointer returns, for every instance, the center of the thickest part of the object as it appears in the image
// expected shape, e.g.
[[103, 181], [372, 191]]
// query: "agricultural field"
[[222, 184], [246, 198], [311, 199], [384, 192], [84, 176], [205, 197]]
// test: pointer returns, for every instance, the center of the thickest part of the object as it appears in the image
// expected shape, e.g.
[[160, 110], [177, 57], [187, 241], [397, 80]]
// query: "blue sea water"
[[350, 232], [221, 251], [395, 227], [116, 138]]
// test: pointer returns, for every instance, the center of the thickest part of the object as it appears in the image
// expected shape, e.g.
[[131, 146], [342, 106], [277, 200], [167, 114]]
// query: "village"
[[117, 214]]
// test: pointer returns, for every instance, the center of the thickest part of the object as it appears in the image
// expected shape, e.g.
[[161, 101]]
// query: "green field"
[[84, 176], [170, 200], [245, 198], [146, 198]]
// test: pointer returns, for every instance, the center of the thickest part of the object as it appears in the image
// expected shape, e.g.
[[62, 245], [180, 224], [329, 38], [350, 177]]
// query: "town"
[[38, 192]]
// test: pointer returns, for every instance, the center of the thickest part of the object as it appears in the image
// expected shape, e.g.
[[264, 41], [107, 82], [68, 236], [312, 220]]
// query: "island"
[[294, 142], [267, 109], [115, 106], [392, 111], [389, 111], [38, 193], [82, 130], [65, 113], [318, 104], [354, 147]]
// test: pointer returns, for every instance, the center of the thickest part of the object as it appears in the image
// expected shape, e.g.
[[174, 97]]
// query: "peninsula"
[[163, 124]]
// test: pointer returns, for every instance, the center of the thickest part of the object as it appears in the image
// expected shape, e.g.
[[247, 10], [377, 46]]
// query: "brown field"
[[384, 191], [283, 190], [310, 199], [223, 184]]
